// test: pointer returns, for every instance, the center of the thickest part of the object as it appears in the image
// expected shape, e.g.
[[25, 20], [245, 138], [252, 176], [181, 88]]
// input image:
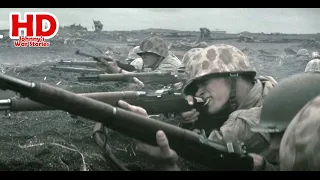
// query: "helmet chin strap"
[[233, 91]]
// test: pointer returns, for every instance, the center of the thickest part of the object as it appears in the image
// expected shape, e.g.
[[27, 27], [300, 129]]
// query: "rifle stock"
[[187, 144], [145, 77], [154, 102]]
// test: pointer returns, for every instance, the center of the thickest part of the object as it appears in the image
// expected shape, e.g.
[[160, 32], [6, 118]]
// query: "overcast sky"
[[266, 20]]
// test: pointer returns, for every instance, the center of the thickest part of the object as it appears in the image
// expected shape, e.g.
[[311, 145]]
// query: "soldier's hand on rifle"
[[258, 162], [190, 116], [163, 155], [135, 109], [109, 66]]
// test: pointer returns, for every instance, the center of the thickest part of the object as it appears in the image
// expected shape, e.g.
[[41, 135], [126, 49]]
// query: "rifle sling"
[[107, 153]]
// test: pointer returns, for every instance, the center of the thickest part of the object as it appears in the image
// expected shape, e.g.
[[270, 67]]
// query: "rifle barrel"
[[26, 104], [73, 69], [96, 58], [145, 77], [79, 63], [154, 103]]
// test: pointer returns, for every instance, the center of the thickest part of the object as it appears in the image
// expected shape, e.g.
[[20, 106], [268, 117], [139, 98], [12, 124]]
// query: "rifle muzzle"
[[5, 104], [14, 84]]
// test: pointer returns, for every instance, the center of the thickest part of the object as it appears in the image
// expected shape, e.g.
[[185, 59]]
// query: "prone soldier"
[[279, 108], [223, 77], [155, 55]]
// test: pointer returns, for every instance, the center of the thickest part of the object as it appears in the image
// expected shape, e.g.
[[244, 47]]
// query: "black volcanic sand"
[[54, 141]]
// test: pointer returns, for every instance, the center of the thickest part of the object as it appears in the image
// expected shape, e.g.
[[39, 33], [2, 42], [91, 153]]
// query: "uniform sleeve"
[[166, 68], [170, 64]]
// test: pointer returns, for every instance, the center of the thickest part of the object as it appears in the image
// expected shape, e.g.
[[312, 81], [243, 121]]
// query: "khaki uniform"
[[237, 127], [169, 64], [299, 149]]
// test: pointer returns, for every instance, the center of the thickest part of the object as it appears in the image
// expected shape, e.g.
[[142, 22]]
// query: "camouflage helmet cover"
[[133, 53], [188, 55], [285, 100], [154, 45], [303, 52], [315, 55], [220, 60], [302, 133], [313, 66], [201, 45]]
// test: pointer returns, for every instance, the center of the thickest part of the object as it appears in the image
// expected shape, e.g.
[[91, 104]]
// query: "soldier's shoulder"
[[239, 126], [243, 121], [172, 57], [171, 60], [250, 116]]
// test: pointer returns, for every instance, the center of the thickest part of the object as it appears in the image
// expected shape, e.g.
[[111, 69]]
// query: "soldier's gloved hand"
[[190, 116], [163, 155]]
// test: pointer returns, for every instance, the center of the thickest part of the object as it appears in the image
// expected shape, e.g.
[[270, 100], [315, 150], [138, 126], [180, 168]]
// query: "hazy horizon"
[[232, 20]]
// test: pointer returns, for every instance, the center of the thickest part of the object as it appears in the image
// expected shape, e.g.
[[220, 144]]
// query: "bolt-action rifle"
[[78, 63], [155, 102], [76, 70], [102, 59], [145, 77], [187, 144]]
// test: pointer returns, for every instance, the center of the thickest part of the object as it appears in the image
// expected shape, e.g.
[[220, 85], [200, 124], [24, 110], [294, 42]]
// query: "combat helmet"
[[313, 66], [315, 55], [299, 148], [303, 52], [154, 45], [188, 55], [285, 100], [133, 53], [218, 60], [201, 45]]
